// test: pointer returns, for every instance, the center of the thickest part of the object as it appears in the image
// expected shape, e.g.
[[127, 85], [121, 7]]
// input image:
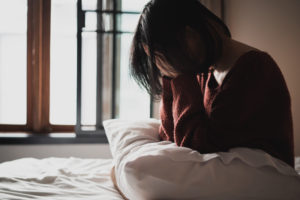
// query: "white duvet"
[[60, 179], [57, 179]]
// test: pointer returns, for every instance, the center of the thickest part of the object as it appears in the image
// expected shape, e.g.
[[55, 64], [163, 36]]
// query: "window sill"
[[53, 138]]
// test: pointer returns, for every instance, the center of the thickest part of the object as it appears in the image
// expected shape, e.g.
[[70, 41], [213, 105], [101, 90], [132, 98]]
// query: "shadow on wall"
[[271, 26]]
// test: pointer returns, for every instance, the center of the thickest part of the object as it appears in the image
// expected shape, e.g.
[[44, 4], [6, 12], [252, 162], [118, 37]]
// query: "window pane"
[[133, 5], [89, 4], [107, 22], [63, 63], [92, 4], [13, 28], [128, 22], [89, 81], [134, 102], [90, 21]]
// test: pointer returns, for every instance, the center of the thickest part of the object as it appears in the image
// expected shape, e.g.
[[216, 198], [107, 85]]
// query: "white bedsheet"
[[57, 179], [60, 179]]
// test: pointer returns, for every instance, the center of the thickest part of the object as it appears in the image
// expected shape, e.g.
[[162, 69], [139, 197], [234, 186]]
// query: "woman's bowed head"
[[175, 37]]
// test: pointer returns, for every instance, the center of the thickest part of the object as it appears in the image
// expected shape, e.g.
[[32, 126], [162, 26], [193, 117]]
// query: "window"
[[106, 29], [12, 70], [64, 65]]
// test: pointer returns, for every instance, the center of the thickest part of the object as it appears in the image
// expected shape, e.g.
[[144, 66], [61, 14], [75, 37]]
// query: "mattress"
[[60, 179], [57, 179]]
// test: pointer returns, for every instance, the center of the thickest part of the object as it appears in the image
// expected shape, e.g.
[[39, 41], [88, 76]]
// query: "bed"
[[136, 151], [57, 179], [60, 179]]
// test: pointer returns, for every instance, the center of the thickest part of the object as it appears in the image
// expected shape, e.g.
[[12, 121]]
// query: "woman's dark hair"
[[161, 27]]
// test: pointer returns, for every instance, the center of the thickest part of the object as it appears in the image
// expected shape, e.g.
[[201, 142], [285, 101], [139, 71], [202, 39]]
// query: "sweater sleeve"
[[189, 117]]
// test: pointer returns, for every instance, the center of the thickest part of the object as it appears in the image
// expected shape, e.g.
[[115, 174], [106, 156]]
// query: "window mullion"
[[114, 61], [99, 67], [80, 25]]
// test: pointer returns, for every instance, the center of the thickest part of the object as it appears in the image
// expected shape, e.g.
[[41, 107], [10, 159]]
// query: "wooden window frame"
[[38, 72]]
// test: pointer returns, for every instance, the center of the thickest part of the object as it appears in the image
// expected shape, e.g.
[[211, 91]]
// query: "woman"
[[217, 93]]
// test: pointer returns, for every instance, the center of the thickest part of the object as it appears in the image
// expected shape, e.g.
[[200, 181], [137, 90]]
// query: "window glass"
[[89, 78], [89, 4], [128, 22], [13, 47], [63, 62], [90, 21], [133, 5], [134, 102]]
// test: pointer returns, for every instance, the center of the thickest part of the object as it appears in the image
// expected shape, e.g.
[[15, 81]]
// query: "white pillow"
[[147, 168]]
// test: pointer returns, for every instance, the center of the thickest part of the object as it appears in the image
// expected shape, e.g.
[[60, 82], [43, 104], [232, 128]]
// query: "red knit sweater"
[[251, 108]]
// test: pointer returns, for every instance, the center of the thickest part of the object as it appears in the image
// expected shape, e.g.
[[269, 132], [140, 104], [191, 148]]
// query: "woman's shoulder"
[[260, 57], [255, 67], [263, 69], [257, 63]]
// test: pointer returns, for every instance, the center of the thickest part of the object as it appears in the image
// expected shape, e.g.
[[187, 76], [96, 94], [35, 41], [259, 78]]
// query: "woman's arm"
[[190, 121]]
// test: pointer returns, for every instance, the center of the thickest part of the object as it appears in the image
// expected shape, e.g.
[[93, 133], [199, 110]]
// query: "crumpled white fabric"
[[57, 179], [147, 168]]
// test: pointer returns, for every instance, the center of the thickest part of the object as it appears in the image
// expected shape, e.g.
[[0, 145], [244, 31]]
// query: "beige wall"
[[272, 26]]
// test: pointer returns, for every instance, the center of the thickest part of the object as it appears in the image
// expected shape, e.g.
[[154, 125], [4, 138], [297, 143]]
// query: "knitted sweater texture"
[[250, 108]]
